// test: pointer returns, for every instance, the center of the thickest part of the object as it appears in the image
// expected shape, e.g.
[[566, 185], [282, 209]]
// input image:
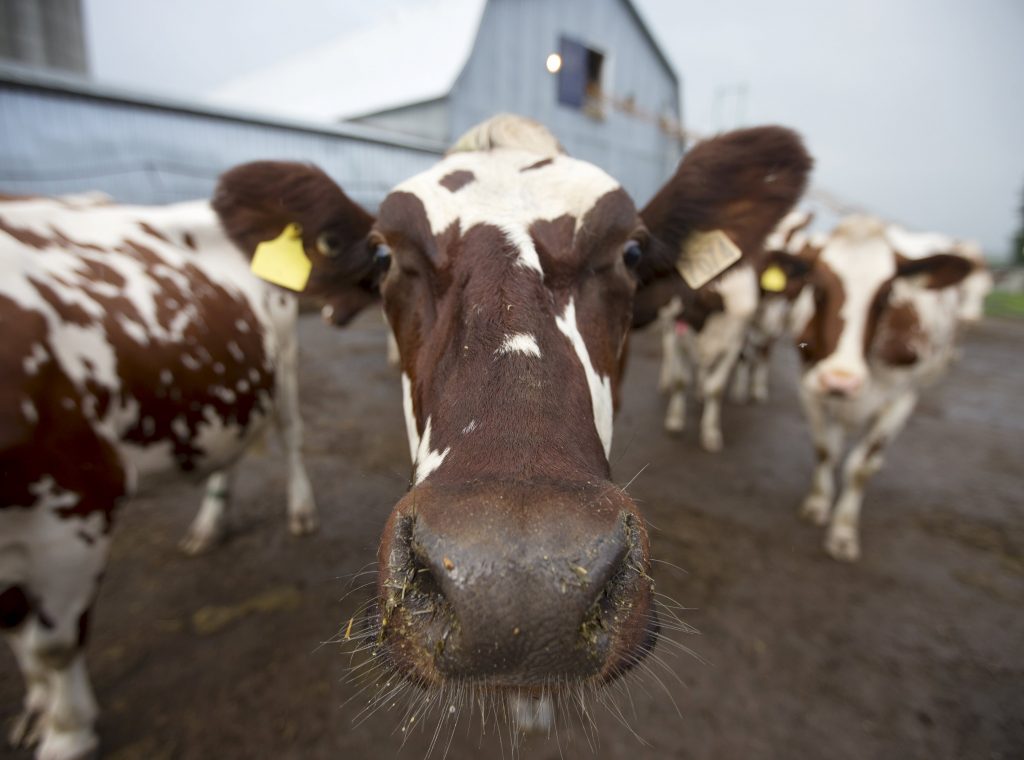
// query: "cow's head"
[[864, 304], [515, 275], [514, 561], [258, 200]]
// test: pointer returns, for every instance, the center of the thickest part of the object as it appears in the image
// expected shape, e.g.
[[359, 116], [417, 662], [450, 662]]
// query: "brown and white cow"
[[139, 349], [514, 563], [703, 342], [883, 327]]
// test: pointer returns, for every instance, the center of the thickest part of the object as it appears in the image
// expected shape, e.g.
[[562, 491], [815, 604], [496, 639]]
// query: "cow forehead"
[[508, 188], [861, 265]]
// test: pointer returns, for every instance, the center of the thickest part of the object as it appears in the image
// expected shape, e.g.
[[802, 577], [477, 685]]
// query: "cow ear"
[[256, 203], [728, 193], [939, 271]]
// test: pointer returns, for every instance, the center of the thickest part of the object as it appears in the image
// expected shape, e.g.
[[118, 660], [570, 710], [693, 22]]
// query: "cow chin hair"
[[566, 710]]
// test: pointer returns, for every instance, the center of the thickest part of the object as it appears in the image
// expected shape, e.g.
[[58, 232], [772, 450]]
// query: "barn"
[[592, 71]]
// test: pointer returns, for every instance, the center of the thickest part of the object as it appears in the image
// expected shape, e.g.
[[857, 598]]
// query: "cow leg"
[[15, 617], [678, 380], [302, 516], [713, 383], [842, 541], [208, 527], [66, 559], [742, 376], [827, 436], [759, 372]]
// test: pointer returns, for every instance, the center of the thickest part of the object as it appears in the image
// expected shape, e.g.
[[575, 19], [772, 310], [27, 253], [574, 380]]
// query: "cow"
[[514, 565], [703, 342], [139, 350], [884, 326], [782, 307]]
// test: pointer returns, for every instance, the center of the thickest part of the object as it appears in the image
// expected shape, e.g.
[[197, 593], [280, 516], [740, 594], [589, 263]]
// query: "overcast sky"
[[912, 108]]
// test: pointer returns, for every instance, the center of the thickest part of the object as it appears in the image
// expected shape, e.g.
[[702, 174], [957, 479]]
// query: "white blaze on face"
[[410, 417], [519, 343], [863, 265], [600, 387]]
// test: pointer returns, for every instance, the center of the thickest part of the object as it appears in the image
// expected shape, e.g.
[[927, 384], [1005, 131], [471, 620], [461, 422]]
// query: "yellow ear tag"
[[283, 260], [703, 255], [773, 279]]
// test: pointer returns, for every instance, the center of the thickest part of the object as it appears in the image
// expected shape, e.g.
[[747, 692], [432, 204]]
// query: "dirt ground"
[[915, 652]]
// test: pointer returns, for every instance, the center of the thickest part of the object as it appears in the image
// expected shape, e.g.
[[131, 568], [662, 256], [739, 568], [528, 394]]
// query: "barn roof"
[[412, 53]]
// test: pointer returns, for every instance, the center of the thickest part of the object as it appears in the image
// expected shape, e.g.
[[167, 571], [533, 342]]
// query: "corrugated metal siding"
[[57, 140], [506, 72]]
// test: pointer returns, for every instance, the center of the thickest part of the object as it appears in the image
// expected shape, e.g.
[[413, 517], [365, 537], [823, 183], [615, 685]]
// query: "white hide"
[[600, 385]]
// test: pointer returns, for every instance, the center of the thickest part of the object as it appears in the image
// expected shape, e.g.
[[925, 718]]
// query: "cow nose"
[[509, 605], [839, 382]]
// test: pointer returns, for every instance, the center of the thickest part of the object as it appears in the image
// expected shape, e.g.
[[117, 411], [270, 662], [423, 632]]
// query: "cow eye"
[[329, 244], [632, 253], [382, 254]]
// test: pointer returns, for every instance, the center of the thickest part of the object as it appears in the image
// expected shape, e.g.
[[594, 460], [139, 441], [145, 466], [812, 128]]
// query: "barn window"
[[579, 77]]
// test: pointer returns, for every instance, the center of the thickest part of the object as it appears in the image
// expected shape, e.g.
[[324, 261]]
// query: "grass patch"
[[1002, 304]]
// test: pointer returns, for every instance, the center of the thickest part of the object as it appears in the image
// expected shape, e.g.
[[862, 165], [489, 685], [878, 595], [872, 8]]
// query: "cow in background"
[[782, 309], [139, 350], [883, 328], [702, 340]]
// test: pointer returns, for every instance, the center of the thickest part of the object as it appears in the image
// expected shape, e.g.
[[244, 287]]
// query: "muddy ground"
[[916, 652]]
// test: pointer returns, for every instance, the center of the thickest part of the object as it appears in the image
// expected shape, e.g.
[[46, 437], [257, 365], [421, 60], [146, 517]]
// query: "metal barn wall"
[[62, 136], [506, 72]]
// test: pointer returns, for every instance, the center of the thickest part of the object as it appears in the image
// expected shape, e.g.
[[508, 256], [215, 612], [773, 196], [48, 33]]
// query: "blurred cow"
[[783, 307], [702, 342], [515, 565], [138, 349], [883, 327]]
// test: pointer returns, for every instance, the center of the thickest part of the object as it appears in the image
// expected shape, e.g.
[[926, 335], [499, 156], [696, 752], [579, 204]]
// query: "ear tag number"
[[704, 255], [283, 261], [773, 279]]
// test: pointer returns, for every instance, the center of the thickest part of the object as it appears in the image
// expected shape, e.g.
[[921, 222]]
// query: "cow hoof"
[[80, 745], [674, 425], [711, 442], [198, 542], [815, 509], [68, 745], [842, 544], [303, 523], [26, 729]]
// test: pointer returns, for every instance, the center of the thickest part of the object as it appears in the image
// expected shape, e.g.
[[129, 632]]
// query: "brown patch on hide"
[[150, 230], [820, 336], [538, 165], [455, 181], [24, 235]]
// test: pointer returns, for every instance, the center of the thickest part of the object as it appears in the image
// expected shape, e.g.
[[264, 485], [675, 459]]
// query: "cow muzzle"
[[518, 587]]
